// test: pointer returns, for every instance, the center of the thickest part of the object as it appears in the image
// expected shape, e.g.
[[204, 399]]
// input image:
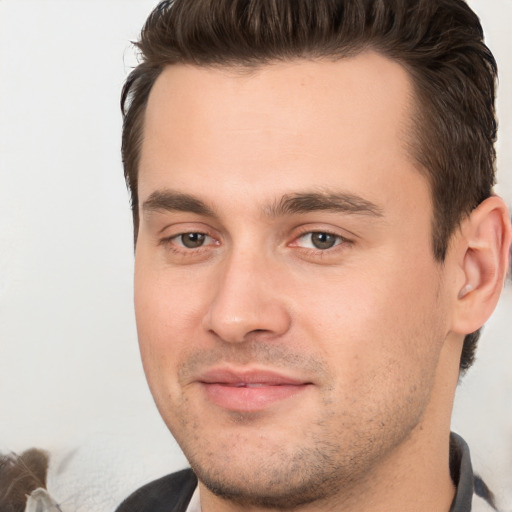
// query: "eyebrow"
[[297, 203], [319, 201], [168, 200]]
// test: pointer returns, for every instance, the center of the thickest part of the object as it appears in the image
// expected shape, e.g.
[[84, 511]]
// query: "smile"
[[249, 391]]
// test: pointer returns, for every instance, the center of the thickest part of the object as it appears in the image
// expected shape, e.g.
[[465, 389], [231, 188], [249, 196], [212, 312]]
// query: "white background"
[[70, 376]]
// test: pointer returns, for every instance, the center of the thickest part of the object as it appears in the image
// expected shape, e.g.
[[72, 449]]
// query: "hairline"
[[412, 144]]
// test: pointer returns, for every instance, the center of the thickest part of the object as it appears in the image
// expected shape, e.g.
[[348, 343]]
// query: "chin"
[[274, 488], [271, 474]]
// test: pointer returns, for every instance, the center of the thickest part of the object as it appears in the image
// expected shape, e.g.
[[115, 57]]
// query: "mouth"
[[249, 390]]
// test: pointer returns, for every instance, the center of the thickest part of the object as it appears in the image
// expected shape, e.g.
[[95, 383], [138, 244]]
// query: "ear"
[[483, 252]]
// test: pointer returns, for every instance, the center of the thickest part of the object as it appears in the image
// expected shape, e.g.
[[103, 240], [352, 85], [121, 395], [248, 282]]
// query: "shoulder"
[[170, 493]]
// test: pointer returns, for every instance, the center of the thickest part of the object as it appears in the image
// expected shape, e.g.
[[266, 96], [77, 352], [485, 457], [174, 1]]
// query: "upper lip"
[[242, 377]]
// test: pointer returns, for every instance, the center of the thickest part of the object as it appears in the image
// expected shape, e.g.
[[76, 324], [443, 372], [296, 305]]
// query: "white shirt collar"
[[195, 502]]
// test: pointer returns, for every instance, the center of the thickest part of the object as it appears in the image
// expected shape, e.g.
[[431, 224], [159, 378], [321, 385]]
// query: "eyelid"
[[300, 241], [163, 224], [338, 238], [310, 229], [177, 240], [175, 232]]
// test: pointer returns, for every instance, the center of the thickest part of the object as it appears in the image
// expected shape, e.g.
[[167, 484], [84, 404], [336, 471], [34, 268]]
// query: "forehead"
[[313, 122]]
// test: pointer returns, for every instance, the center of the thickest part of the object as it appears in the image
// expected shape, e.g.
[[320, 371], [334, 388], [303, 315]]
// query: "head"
[[315, 234], [439, 43]]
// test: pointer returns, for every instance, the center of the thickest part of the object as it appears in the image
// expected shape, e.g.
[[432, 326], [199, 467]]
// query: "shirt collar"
[[462, 475]]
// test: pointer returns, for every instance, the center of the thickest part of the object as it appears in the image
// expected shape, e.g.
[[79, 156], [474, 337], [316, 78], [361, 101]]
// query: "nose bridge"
[[245, 299]]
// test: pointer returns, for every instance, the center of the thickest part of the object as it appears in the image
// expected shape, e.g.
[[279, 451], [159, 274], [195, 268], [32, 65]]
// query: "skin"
[[371, 328]]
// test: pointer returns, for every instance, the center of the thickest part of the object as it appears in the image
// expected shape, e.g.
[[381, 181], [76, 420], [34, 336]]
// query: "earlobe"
[[486, 236]]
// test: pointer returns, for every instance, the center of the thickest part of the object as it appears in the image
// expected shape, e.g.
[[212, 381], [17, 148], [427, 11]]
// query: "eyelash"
[[340, 241], [170, 242], [178, 248]]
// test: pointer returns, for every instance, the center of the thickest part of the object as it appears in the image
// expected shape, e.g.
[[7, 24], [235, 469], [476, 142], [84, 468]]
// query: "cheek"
[[166, 301], [382, 342], [372, 319], [168, 318]]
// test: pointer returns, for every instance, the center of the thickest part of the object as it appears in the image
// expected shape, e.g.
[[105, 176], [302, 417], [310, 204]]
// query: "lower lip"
[[249, 399]]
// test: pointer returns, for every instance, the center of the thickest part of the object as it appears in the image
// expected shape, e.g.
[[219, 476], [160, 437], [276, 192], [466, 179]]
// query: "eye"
[[319, 240], [192, 240]]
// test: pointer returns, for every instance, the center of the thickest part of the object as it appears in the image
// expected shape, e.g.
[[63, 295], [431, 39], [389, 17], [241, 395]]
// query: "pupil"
[[192, 240], [323, 240]]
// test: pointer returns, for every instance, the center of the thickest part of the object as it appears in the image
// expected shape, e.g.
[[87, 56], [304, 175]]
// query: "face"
[[290, 312]]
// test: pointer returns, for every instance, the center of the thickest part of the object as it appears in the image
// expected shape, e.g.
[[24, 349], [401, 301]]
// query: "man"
[[317, 246]]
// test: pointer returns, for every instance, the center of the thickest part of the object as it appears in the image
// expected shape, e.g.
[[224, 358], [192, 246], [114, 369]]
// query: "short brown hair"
[[439, 42]]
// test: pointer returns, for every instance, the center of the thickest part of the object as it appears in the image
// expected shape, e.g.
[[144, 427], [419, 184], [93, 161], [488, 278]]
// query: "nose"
[[247, 300]]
